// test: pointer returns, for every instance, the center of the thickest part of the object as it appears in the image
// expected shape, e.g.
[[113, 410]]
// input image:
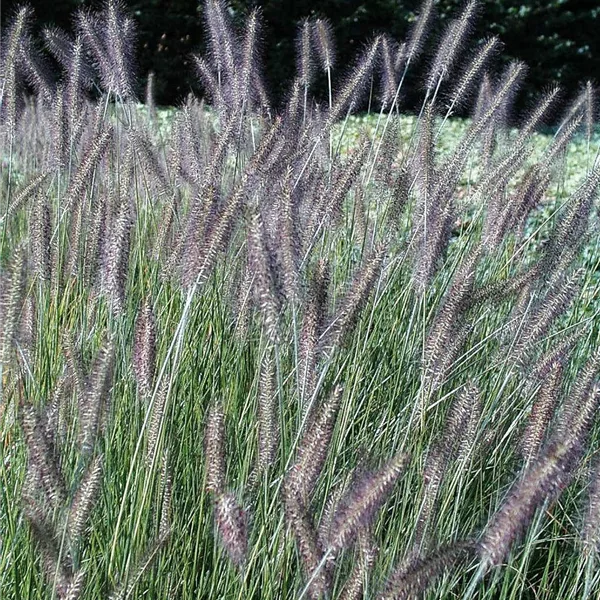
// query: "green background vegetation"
[[558, 39]]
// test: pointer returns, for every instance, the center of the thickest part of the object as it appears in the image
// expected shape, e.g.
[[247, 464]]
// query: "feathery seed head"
[[223, 46], [75, 587], [25, 193], [323, 40], [42, 458], [309, 546], [11, 297], [208, 80], [539, 111], [413, 577], [541, 412], [109, 37], [484, 96], [59, 44], [545, 478], [425, 163], [9, 68], [560, 142], [578, 411], [590, 109], [542, 481], [230, 519], [268, 421], [249, 62], [360, 505], [315, 311], [472, 71], [348, 96], [591, 525], [119, 42], [556, 355], [304, 60], [27, 335], [85, 499], [55, 565], [144, 349], [262, 263], [156, 418], [355, 584], [313, 448], [115, 263], [419, 30], [354, 299], [166, 480], [214, 447], [289, 242], [90, 161], [454, 37], [556, 301], [461, 421], [389, 70], [36, 69], [95, 402]]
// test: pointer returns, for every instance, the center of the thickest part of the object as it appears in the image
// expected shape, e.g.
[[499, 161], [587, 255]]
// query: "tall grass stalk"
[[318, 296]]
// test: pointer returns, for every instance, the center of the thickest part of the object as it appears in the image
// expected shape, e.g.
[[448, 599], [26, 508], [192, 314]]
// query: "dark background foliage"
[[557, 38]]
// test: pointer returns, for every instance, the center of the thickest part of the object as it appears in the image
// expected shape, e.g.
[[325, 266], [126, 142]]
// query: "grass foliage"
[[256, 351]]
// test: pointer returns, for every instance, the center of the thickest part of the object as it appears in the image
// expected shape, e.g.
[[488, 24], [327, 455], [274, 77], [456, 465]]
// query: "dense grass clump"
[[252, 353]]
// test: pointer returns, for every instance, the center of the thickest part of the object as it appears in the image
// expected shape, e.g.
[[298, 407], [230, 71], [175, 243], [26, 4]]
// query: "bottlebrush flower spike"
[[309, 546], [354, 588], [542, 481], [94, 404], [261, 262], [214, 447], [412, 578], [268, 418], [313, 448], [449, 46], [315, 311], [358, 508], [541, 413], [144, 349], [230, 519], [323, 39], [85, 499], [354, 299], [591, 525], [42, 458]]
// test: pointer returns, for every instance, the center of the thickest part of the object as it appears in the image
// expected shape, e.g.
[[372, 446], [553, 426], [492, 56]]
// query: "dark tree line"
[[556, 38]]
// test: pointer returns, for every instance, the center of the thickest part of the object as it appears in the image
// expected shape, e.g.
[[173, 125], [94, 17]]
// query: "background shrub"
[[557, 39]]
